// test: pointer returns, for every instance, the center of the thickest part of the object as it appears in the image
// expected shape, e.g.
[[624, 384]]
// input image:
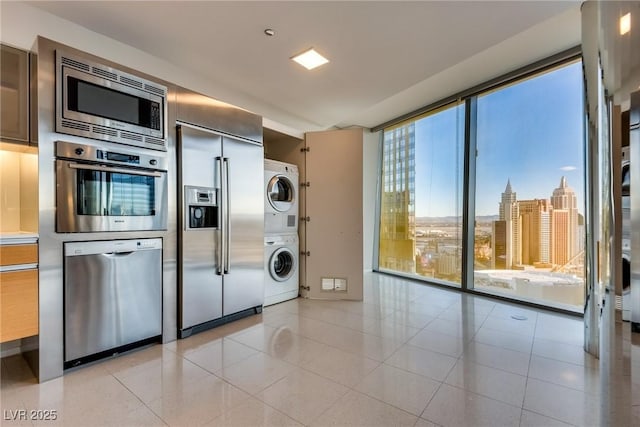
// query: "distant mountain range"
[[426, 220]]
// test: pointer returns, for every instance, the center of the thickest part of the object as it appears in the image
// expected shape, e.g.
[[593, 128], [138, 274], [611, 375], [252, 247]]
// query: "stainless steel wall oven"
[[102, 189]]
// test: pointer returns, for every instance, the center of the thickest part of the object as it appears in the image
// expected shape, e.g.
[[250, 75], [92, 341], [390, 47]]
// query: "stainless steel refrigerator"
[[221, 246]]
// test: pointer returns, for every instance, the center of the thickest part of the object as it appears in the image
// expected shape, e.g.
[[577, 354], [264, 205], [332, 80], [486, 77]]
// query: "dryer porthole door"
[[281, 193], [282, 264]]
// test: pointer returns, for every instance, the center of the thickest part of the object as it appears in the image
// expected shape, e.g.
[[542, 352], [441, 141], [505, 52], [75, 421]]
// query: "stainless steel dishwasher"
[[112, 297]]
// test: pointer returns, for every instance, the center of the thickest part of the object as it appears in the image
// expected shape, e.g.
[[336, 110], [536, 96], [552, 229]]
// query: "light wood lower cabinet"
[[18, 254], [18, 292], [18, 304]]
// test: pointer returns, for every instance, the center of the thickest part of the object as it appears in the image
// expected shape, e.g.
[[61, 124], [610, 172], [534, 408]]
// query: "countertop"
[[18, 238]]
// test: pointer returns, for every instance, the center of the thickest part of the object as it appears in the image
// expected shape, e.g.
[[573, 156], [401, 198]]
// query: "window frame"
[[469, 98]]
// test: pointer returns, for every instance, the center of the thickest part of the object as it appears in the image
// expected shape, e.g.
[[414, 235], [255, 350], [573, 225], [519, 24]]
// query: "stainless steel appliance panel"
[[209, 113], [200, 275], [244, 274], [199, 153], [201, 286], [47, 360], [112, 294], [634, 161]]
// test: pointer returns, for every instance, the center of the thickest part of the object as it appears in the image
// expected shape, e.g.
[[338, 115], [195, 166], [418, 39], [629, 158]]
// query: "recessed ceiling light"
[[625, 24], [310, 59]]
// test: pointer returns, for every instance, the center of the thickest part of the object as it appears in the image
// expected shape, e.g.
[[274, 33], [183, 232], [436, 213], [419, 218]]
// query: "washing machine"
[[281, 197], [281, 256]]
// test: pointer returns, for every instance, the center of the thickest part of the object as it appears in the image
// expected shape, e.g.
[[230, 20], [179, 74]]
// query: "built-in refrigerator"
[[221, 248]]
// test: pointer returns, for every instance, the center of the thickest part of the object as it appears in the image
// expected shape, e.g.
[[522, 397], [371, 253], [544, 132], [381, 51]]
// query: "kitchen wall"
[[18, 191]]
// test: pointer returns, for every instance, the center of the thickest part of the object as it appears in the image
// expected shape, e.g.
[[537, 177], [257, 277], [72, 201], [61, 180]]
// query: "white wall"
[[369, 181]]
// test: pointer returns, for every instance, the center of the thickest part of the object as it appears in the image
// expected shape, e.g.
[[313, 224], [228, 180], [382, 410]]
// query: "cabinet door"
[[18, 254], [18, 304], [14, 95], [333, 230]]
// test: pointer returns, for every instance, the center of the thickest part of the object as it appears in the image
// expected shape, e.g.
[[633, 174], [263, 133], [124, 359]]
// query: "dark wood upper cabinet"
[[17, 97]]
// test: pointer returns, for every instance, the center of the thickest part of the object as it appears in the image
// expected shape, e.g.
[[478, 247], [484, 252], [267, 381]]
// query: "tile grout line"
[[138, 397], [526, 382]]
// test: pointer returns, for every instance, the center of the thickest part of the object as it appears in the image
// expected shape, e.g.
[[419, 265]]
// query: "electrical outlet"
[[340, 285], [327, 284]]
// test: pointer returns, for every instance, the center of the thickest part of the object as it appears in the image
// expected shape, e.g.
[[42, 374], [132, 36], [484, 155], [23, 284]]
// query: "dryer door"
[[281, 193], [282, 264]]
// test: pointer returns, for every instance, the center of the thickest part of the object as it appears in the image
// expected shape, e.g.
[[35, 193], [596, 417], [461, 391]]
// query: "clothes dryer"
[[281, 197], [281, 258]]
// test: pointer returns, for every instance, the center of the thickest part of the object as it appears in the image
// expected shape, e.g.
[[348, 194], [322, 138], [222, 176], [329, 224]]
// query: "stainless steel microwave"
[[101, 189], [101, 102]]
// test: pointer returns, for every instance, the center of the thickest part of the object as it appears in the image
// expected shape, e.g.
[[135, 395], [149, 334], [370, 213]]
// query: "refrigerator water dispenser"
[[201, 206]]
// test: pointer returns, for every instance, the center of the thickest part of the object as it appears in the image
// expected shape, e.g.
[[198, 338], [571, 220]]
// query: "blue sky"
[[530, 133]]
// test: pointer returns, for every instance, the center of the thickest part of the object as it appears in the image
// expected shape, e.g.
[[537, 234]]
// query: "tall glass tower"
[[397, 213]]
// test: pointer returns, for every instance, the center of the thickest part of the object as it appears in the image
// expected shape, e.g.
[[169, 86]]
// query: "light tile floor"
[[409, 354]]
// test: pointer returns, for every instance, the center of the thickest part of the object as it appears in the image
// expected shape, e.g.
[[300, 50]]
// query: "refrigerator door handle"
[[221, 214], [227, 220]]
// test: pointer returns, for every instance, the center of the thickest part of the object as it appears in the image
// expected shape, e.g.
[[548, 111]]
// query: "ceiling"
[[386, 58]]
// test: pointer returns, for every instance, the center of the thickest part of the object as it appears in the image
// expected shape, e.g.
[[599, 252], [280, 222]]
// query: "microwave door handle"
[[221, 247], [227, 215], [116, 170]]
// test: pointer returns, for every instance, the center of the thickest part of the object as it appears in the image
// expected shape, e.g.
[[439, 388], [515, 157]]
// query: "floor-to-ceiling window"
[[421, 196], [529, 192], [525, 223]]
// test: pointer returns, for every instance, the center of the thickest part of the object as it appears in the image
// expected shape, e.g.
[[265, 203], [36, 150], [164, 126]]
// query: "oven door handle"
[[116, 170]]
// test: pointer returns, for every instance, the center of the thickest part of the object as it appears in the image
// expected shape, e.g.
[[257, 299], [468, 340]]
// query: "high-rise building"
[[449, 260], [510, 214], [499, 245], [560, 237], [397, 215], [535, 230], [564, 224], [508, 198]]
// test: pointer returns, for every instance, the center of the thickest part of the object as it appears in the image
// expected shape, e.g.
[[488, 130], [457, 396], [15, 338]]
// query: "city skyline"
[[541, 231], [497, 203], [530, 134]]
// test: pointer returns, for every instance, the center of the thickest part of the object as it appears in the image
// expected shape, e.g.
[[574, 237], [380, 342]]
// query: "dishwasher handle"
[[111, 247], [118, 254]]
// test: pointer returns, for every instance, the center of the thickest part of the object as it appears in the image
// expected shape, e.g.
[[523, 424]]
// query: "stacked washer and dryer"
[[280, 232]]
